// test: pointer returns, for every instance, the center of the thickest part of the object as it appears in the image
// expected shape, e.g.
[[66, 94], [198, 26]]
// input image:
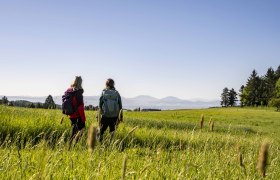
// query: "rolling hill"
[[142, 101]]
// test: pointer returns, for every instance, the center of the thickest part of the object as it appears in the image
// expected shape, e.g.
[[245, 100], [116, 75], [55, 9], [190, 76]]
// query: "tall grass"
[[157, 145]]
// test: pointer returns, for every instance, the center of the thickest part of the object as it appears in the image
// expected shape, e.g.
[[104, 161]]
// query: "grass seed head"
[[132, 130], [212, 126], [262, 160], [180, 145], [124, 167], [61, 121], [209, 124], [201, 121], [240, 156], [120, 118], [91, 140]]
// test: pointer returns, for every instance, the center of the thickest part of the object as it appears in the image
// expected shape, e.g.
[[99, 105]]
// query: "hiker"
[[73, 106], [110, 104]]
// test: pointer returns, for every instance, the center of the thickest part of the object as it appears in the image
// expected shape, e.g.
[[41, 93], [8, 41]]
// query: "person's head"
[[77, 83], [110, 83]]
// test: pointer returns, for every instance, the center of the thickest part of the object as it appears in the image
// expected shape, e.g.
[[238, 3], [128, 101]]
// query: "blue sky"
[[188, 49]]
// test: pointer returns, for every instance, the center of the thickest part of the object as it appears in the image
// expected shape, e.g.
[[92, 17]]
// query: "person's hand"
[[83, 124]]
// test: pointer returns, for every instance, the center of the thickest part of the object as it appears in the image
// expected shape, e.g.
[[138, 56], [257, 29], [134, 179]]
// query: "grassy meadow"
[[164, 145]]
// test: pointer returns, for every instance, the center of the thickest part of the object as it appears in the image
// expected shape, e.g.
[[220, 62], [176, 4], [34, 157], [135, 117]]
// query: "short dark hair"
[[110, 83]]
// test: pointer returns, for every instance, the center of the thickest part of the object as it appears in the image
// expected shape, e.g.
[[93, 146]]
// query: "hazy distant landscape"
[[142, 101]]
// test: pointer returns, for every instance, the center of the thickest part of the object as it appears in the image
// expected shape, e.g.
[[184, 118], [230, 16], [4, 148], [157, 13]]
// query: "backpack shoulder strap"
[[103, 92]]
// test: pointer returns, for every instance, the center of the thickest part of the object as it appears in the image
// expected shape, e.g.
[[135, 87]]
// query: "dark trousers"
[[105, 122], [77, 125]]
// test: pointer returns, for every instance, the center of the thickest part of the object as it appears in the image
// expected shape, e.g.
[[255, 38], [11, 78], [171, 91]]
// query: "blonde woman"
[[75, 108]]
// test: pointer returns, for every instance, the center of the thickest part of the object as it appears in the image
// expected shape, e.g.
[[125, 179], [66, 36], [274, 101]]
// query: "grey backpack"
[[110, 107]]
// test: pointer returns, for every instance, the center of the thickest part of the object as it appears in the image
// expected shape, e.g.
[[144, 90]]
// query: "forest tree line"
[[258, 91], [48, 104]]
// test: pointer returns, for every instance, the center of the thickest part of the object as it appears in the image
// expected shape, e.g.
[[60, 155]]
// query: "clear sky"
[[184, 48]]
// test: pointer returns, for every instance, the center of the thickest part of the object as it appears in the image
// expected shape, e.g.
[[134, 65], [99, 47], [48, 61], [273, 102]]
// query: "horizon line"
[[189, 99]]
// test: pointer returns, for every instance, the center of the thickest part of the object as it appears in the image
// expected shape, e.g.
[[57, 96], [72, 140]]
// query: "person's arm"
[[101, 102], [80, 104], [120, 100]]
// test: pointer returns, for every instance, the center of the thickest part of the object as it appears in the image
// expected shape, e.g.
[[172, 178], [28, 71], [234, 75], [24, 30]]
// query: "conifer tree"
[[241, 96], [232, 97], [225, 97], [5, 100], [251, 92], [267, 87], [49, 103]]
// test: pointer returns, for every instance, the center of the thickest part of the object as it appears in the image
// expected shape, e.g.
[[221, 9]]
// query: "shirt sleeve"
[[101, 101], [120, 101], [80, 104]]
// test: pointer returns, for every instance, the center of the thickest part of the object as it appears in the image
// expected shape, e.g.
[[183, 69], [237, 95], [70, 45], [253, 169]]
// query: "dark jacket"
[[78, 101]]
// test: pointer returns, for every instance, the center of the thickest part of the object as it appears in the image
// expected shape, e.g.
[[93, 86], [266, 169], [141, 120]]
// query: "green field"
[[165, 145]]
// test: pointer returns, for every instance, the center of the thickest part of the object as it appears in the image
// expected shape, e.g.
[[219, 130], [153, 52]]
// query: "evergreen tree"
[[10, 103], [225, 97], [260, 90], [49, 103], [252, 91], [232, 97], [241, 96], [277, 89], [38, 105], [277, 73], [31, 105], [5, 100], [275, 102], [268, 86]]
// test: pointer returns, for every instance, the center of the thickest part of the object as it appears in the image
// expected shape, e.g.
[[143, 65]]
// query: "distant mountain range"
[[142, 101]]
